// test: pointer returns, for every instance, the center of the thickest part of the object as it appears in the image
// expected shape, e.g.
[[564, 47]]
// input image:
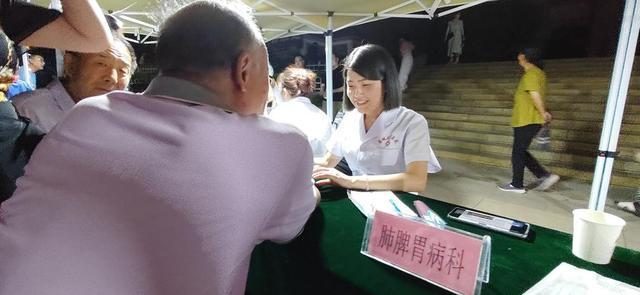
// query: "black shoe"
[[510, 188]]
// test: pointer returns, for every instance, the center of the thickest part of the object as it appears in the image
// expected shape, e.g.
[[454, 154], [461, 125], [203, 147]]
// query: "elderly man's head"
[[91, 74], [217, 45]]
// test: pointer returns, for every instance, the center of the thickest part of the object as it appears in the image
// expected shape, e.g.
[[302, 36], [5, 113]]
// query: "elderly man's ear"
[[241, 71], [71, 61]]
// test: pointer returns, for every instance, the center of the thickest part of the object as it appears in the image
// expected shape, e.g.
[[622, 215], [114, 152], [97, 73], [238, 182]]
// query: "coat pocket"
[[389, 157]]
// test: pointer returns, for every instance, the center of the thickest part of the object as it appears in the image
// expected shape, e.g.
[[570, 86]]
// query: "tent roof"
[[284, 18]]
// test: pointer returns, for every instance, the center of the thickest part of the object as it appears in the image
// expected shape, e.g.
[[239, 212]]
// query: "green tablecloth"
[[326, 258]]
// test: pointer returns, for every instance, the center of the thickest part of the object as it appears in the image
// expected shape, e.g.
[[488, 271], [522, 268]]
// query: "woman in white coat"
[[386, 145], [406, 64], [297, 110], [454, 38]]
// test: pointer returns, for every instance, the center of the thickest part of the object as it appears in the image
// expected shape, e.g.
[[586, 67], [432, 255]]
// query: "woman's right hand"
[[336, 177]]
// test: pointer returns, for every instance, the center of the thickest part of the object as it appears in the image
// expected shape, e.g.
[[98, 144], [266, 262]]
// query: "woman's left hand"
[[336, 177]]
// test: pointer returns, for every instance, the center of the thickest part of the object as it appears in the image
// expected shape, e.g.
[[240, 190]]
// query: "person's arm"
[[334, 150], [414, 179], [328, 161], [446, 34], [539, 104], [81, 27], [317, 195], [299, 198]]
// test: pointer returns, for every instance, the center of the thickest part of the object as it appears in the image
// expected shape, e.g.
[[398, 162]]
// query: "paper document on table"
[[386, 201], [567, 279]]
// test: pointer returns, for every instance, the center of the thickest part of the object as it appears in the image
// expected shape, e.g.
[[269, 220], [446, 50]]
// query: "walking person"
[[631, 206], [634, 205], [454, 37], [529, 113], [406, 64]]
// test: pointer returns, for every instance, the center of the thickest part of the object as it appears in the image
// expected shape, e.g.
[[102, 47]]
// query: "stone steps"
[[468, 107], [504, 114], [505, 71], [563, 171], [480, 98], [629, 136], [584, 73], [553, 105], [559, 127], [427, 89], [555, 156]]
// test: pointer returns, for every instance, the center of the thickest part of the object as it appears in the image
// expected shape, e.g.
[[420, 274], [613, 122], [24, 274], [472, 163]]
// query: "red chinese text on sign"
[[444, 257]]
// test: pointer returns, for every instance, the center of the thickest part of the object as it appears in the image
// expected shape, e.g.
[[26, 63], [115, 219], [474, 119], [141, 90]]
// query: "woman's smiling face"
[[366, 95]]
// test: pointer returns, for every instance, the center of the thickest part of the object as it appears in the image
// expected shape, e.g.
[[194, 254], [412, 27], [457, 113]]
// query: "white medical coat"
[[398, 137]]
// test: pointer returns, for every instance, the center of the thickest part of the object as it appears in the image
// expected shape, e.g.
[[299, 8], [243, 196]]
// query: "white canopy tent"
[[285, 18], [616, 101]]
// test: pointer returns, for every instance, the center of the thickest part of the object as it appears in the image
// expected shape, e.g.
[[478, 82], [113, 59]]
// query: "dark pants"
[[520, 157], [343, 167]]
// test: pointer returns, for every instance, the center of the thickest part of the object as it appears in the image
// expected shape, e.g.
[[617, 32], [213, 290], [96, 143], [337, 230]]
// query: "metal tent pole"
[[615, 104], [328, 52], [57, 4]]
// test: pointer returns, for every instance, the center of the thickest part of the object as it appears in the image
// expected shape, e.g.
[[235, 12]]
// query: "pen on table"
[[395, 207], [427, 214]]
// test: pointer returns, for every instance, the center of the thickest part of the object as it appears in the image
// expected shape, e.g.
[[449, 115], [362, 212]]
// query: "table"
[[326, 259]]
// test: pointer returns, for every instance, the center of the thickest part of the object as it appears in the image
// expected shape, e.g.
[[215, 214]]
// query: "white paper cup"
[[595, 234]]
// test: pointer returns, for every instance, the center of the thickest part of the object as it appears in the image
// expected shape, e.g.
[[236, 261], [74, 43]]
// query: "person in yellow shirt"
[[529, 113]]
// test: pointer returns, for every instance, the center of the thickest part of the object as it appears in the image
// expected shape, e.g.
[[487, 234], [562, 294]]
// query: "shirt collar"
[[388, 117], [61, 95], [180, 90], [301, 99], [383, 121]]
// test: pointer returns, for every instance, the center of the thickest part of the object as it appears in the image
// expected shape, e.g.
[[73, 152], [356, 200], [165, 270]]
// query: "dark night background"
[[494, 31]]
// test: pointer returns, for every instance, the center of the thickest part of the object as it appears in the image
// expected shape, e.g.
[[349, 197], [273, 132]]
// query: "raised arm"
[[81, 27]]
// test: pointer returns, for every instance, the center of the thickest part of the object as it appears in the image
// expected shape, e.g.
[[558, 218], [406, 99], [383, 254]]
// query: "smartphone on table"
[[504, 225]]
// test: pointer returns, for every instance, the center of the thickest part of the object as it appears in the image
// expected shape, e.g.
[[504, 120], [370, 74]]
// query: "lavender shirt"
[[45, 106], [151, 194]]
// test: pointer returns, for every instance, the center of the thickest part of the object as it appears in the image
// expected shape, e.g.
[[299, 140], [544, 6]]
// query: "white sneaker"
[[547, 182], [633, 207]]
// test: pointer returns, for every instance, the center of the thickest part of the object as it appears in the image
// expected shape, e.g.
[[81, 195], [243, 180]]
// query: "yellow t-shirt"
[[524, 111]]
